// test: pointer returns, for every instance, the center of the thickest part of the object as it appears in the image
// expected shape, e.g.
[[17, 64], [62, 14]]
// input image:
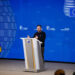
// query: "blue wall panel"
[[57, 21]]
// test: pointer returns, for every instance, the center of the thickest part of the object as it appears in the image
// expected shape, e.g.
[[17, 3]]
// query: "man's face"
[[38, 28]]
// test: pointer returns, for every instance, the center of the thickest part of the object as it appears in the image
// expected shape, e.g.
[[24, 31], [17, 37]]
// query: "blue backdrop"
[[57, 20]]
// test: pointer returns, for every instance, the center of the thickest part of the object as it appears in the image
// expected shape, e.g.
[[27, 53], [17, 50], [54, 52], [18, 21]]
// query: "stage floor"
[[16, 67]]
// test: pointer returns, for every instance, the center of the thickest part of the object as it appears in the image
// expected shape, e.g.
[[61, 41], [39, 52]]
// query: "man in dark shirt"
[[40, 35]]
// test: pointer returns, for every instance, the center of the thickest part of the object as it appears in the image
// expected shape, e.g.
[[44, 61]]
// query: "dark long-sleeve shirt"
[[41, 37]]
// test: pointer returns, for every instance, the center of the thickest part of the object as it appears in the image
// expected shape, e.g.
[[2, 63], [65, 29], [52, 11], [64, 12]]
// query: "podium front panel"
[[30, 53]]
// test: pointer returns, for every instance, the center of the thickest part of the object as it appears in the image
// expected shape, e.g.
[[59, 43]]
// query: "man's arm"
[[43, 37], [34, 35]]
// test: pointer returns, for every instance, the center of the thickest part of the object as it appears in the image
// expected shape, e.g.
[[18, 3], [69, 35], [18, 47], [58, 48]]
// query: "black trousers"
[[42, 51]]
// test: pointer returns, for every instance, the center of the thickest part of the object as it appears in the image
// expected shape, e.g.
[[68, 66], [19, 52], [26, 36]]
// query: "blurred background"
[[19, 18]]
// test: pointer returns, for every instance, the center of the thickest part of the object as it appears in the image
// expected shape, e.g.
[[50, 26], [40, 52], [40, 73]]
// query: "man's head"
[[74, 73], [60, 72], [39, 28]]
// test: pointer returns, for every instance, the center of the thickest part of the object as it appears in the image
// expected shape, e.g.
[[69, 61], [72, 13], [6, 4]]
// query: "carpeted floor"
[[16, 67]]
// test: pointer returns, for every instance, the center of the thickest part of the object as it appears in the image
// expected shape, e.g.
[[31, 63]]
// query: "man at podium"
[[34, 51], [40, 35]]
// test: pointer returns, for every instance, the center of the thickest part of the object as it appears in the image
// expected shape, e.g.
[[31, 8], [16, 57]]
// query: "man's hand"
[[36, 37], [28, 36]]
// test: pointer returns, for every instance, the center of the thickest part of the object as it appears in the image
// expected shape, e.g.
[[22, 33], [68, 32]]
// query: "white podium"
[[32, 53]]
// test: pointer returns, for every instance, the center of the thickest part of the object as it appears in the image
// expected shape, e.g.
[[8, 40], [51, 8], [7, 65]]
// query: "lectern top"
[[30, 38], [27, 38]]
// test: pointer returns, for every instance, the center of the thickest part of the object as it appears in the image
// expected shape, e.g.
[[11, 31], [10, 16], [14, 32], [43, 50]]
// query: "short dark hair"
[[74, 73], [60, 72], [39, 25]]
